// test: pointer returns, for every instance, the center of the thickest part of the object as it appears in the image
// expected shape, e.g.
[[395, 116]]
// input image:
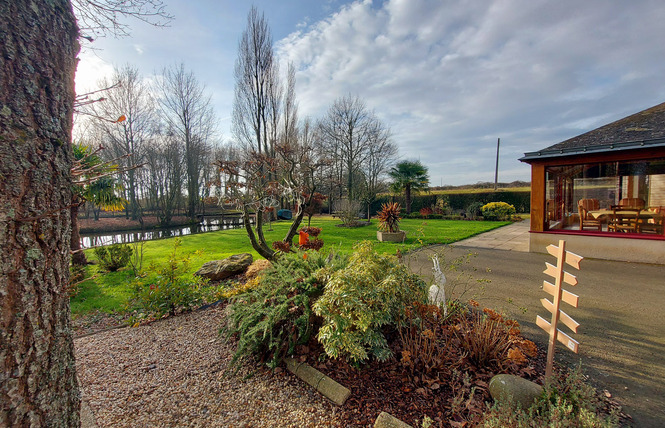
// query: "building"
[[603, 191]]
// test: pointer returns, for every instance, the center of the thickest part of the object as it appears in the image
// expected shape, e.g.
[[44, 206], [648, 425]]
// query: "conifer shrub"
[[113, 257], [370, 293], [275, 315]]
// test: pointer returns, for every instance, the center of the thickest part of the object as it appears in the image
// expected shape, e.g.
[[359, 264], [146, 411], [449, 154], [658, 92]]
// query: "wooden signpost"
[[559, 294]]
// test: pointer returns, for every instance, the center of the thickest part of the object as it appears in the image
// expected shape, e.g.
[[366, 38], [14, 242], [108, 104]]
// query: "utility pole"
[[496, 171]]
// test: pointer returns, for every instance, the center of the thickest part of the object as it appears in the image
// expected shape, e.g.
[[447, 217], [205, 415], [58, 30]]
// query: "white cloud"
[[91, 69], [450, 77]]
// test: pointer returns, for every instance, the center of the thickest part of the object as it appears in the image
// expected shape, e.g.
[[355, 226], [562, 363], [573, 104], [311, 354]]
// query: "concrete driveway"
[[621, 314]]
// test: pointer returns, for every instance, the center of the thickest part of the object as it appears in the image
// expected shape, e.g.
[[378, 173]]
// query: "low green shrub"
[[370, 293], [474, 210], [497, 211], [567, 401], [168, 289], [275, 315], [113, 257]]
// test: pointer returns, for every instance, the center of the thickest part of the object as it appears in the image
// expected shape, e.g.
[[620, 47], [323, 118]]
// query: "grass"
[[112, 292]]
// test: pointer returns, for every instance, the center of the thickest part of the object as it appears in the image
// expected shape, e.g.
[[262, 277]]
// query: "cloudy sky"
[[448, 77]]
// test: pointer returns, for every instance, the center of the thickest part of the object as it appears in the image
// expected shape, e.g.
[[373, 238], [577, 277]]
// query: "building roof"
[[643, 129]]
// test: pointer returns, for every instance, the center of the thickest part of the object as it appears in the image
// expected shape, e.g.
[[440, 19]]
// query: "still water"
[[209, 224]]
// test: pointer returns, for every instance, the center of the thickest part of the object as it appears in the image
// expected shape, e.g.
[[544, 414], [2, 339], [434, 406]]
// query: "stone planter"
[[391, 236]]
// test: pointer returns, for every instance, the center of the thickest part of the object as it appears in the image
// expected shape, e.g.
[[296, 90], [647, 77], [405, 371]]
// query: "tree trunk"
[[407, 196], [261, 249], [78, 256], [38, 384]]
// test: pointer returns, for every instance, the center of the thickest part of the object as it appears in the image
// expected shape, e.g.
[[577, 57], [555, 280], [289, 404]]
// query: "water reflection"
[[209, 224]]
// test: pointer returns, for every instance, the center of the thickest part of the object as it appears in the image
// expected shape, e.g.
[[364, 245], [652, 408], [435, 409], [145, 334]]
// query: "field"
[[112, 292]]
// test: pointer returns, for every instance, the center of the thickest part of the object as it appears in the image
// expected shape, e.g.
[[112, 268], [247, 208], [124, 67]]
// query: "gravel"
[[173, 373]]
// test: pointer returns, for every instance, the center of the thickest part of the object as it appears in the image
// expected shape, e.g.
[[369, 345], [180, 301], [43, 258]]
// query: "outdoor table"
[[644, 214]]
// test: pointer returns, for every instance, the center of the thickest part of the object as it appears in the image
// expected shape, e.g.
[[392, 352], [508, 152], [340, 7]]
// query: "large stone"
[[522, 391], [386, 420], [322, 383], [220, 269]]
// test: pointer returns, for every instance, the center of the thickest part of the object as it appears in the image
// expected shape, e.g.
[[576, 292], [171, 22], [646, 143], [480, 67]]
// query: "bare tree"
[[129, 97], [257, 90], [382, 154], [103, 17], [348, 131], [188, 112], [165, 173]]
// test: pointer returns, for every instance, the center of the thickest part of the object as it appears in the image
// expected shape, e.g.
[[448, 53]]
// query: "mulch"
[[452, 398]]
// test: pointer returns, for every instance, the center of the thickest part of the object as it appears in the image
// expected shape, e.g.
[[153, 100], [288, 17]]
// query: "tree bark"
[[78, 256], [407, 197], [38, 386]]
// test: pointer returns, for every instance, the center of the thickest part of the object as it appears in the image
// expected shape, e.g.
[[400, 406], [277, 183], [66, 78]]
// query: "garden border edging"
[[332, 390]]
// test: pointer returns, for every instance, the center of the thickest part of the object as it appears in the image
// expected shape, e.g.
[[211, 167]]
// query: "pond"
[[208, 224]]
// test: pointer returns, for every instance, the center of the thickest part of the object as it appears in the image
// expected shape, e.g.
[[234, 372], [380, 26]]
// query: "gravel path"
[[171, 373]]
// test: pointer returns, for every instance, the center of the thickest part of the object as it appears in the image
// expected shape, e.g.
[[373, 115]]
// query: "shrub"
[[567, 401], [474, 210], [169, 289], [311, 231], [274, 315], [442, 205], [281, 246], [348, 211], [312, 244], [423, 339], [257, 267], [389, 217], [492, 340], [113, 257], [497, 211], [520, 199], [426, 212], [370, 293]]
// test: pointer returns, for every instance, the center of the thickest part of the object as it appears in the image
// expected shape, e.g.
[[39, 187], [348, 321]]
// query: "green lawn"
[[110, 292]]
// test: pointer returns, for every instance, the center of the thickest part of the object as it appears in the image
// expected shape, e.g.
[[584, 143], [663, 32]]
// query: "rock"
[[386, 420], [220, 269], [521, 390]]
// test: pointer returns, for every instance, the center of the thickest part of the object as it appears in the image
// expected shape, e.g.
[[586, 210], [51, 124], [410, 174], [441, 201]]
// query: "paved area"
[[621, 312], [514, 237]]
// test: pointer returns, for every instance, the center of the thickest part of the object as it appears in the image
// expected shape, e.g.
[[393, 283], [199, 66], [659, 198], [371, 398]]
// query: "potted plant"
[[389, 223]]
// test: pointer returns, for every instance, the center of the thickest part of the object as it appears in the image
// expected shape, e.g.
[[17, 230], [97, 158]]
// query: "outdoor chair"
[[624, 219], [655, 224], [635, 203], [587, 221]]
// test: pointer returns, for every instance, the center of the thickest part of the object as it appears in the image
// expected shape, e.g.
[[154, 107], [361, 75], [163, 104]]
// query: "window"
[[600, 192]]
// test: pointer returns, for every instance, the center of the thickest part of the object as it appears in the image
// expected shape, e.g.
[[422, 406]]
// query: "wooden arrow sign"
[[559, 294]]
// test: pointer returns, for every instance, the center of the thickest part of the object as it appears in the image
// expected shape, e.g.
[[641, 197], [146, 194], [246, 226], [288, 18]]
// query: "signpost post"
[[559, 294]]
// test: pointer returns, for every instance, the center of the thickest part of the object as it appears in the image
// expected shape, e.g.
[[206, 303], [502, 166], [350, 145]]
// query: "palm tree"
[[409, 176], [92, 183]]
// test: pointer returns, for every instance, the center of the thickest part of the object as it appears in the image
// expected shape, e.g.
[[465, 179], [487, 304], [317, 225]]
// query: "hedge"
[[521, 200]]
